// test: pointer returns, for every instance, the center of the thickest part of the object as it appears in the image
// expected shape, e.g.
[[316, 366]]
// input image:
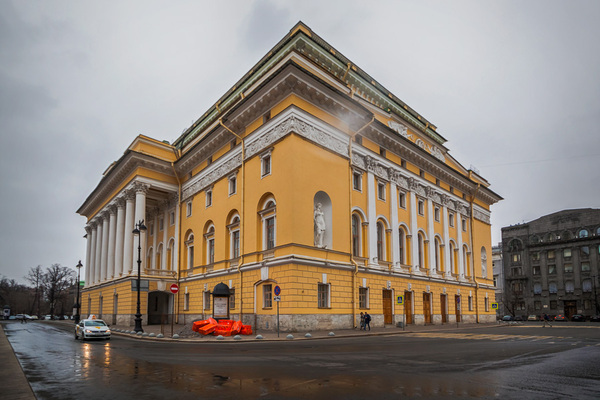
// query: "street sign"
[[494, 306], [277, 298], [174, 288], [400, 299], [277, 290]]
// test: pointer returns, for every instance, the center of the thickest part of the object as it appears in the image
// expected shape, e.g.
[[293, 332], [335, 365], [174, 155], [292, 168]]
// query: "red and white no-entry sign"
[[174, 288]]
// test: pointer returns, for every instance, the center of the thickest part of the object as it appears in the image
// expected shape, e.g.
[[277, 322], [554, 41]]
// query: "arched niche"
[[322, 220]]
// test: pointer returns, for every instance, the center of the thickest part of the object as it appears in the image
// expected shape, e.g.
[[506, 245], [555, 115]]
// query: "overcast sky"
[[514, 86]]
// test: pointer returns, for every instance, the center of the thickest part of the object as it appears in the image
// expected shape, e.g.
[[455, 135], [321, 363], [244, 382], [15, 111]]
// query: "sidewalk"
[[14, 383], [187, 335]]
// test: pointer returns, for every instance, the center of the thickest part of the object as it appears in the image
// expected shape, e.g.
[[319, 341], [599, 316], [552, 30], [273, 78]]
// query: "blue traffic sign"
[[277, 290]]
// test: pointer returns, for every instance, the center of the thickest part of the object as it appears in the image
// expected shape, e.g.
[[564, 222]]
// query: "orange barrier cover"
[[246, 330], [198, 324], [207, 329], [236, 327], [212, 321]]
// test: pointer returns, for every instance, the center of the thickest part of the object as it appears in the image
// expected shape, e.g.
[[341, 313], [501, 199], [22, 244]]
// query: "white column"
[[165, 239], [461, 261], [154, 240], [372, 217], [88, 255], [175, 265], [140, 215], [104, 257], [128, 232], [98, 251], [446, 253], [414, 230], [112, 233], [430, 234], [119, 237], [394, 216]]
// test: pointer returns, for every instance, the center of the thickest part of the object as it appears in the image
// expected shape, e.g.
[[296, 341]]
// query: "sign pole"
[[277, 319]]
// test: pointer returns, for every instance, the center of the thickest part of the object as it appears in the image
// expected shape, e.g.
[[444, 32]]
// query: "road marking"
[[474, 336]]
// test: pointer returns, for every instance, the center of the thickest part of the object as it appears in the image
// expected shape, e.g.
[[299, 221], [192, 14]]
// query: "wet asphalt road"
[[507, 362]]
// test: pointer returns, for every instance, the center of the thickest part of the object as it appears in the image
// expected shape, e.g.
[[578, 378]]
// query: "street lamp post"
[[77, 303], [139, 227]]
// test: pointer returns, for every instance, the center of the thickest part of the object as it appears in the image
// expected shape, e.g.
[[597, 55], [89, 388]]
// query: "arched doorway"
[[158, 308]]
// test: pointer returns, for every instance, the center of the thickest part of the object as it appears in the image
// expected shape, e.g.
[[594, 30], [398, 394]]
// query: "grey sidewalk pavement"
[[13, 383]]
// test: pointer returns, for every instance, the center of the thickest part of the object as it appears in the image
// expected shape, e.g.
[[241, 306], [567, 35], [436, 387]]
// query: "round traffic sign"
[[277, 290], [174, 288]]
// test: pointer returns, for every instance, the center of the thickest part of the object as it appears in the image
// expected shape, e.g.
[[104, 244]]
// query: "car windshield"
[[94, 323]]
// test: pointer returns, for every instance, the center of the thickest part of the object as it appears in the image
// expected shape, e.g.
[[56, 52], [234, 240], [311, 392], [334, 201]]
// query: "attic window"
[[267, 116]]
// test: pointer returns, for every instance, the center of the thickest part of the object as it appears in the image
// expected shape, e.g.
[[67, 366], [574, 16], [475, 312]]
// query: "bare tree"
[[36, 278], [57, 280]]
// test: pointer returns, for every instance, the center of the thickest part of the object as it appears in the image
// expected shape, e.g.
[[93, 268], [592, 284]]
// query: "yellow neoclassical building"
[[309, 179]]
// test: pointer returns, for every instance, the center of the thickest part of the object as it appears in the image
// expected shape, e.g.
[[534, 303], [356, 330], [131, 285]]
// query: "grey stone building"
[[498, 271], [552, 264]]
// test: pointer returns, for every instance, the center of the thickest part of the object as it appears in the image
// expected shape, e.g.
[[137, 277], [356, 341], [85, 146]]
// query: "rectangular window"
[[536, 270], [208, 198], [421, 208], [550, 255], [363, 297], [551, 269], [357, 181], [516, 257], [567, 253], [464, 225], [323, 295], [211, 251], [436, 214], [382, 152], [267, 296], [265, 165], [535, 256], [186, 302], [487, 304], [451, 219], [232, 185], [537, 305], [584, 251], [553, 304], [568, 268], [206, 300], [172, 218], [585, 266], [189, 209], [587, 304], [401, 199], [151, 230], [381, 190], [470, 303], [552, 287], [516, 271], [161, 224]]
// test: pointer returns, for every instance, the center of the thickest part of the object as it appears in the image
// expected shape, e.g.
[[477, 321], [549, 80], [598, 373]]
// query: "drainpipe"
[[243, 206], [473, 252], [177, 154], [354, 275]]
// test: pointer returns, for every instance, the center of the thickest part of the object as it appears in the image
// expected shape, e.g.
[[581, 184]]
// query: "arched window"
[[268, 216], [583, 233], [453, 263], [483, 262], [421, 249], [234, 237], [189, 245], [381, 250], [402, 244], [209, 238], [466, 259], [438, 255], [586, 285], [171, 255], [356, 236], [159, 254]]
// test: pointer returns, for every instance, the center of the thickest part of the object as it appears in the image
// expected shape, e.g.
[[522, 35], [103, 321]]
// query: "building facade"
[[307, 176], [551, 264], [498, 273]]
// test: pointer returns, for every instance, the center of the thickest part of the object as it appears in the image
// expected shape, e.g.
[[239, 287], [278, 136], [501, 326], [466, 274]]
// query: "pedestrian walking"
[[367, 321], [546, 321], [362, 321]]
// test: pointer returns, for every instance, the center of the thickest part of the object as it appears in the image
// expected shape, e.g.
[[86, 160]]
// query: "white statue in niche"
[[320, 226]]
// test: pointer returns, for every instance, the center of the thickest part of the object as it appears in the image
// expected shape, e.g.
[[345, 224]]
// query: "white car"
[[92, 329]]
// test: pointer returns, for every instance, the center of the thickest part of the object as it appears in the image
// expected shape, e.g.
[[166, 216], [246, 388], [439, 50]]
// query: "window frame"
[[323, 295]]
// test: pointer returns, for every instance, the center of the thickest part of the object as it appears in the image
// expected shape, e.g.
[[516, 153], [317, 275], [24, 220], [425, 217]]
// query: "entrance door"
[[427, 307], [444, 308], [408, 307], [100, 305], [570, 308], [158, 308], [457, 307], [387, 306]]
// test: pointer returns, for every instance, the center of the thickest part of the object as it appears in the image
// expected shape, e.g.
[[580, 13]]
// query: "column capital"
[[140, 187]]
